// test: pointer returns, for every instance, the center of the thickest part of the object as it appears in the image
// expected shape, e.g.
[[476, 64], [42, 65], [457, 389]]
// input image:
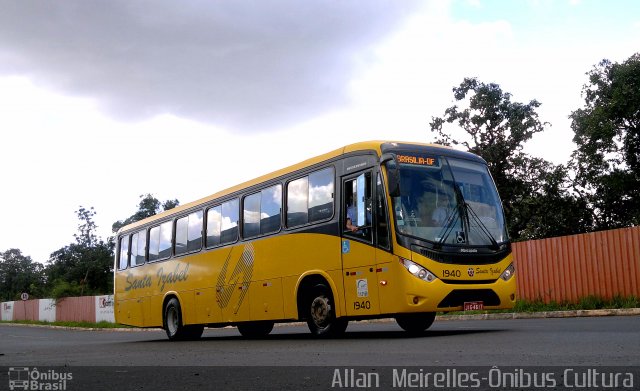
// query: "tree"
[[551, 209], [148, 206], [84, 267], [534, 192], [607, 135], [18, 274]]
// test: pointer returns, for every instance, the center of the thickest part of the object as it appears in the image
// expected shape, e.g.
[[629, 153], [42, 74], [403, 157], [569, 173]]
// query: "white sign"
[[362, 287], [6, 310], [24, 296], [47, 310], [104, 308]]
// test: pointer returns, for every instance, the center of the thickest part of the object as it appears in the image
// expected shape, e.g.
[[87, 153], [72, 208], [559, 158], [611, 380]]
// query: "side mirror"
[[393, 174]]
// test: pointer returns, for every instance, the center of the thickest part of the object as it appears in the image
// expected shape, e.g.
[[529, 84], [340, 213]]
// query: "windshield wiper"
[[460, 210], [452, 218], [463, 210], [483, 227]]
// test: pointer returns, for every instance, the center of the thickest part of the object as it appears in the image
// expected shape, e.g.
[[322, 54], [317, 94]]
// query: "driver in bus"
[[442, 211], [351, 214]]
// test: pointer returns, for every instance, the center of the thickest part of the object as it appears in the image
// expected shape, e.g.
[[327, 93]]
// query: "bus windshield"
[[449, 201]]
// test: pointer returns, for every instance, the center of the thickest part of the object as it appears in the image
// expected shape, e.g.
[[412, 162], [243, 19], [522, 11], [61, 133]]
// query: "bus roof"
[[377, 146]]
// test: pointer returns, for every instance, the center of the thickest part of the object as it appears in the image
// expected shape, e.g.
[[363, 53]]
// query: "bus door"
[[358, 251]]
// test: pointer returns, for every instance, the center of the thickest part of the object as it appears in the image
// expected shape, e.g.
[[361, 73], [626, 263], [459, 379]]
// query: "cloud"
[[244, 65]]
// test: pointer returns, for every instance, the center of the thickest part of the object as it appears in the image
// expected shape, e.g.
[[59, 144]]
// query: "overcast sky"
[[101, 102]]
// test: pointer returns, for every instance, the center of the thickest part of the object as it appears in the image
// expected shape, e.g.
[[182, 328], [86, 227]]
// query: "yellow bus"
[[372, 230]]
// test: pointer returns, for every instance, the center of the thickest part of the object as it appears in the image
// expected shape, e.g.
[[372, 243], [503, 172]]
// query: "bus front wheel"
[[321, 316], [172, 322], [416, 323]]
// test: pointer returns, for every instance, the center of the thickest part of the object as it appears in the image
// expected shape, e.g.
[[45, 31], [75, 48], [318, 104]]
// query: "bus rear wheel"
[[416, 323], [173, 326], [255, 329], [321, 316]]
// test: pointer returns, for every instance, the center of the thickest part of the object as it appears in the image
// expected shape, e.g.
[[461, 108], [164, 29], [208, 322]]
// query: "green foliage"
[[607, 134], [148, 206], [84, 267], [545, 207], [61, 288], [86, 228], [534, 192], [18, 274], [498, 127]]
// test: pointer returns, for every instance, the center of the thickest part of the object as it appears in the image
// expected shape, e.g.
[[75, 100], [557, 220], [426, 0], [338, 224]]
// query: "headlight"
[[417, 270], [508, 273]]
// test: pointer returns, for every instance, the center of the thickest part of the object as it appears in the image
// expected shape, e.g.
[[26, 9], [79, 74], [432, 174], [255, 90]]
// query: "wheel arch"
[[168, 296], [310, 279]]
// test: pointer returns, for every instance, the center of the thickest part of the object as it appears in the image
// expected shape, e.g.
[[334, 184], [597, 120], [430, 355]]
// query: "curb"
[[545, 314], [51, 326], [490, 316]]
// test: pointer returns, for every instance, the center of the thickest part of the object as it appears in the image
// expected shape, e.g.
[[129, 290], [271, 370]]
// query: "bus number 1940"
[[362, 305]]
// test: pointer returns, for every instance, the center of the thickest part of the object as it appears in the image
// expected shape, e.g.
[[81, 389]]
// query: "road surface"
[[294, 357]]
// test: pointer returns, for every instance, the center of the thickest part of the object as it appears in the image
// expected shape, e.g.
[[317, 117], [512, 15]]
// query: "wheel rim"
[[172, 320], [321, 311]]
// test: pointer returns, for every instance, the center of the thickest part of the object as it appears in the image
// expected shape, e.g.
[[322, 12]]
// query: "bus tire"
[[255, 329], [416, 323], [321, 313], [173, 326]]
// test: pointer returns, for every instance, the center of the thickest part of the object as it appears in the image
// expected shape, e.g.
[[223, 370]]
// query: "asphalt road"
[[585, 342]]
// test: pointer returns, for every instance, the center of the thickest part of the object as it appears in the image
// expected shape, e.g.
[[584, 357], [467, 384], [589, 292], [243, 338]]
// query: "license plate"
[[473, 305]]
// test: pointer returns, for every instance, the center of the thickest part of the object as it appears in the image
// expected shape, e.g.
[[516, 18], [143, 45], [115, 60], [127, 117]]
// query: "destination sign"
[[417, 160]]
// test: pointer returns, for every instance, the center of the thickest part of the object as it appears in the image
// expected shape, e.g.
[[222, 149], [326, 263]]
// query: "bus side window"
[[357, 206], [251, 216], [214, 224], [270, 207], [297, 206], [321, 195], [229, 228], [166, 234], [123, 260], [140, 254], [189, 233], [182, 228], [194, 236], [154, 243]]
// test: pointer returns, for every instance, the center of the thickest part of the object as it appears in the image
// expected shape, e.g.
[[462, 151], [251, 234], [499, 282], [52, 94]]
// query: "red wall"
[[566, 268], [25, 310], [76, 309]]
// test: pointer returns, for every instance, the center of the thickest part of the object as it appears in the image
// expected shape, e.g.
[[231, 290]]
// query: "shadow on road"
[[349, 335]]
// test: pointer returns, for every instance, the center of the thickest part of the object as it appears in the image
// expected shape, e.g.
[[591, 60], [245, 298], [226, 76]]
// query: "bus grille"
[[458, 297], [462, 258], [469, 282]]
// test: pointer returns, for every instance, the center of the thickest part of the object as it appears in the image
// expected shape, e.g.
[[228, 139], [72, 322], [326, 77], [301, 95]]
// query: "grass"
[[99, 325], [585, 303]]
